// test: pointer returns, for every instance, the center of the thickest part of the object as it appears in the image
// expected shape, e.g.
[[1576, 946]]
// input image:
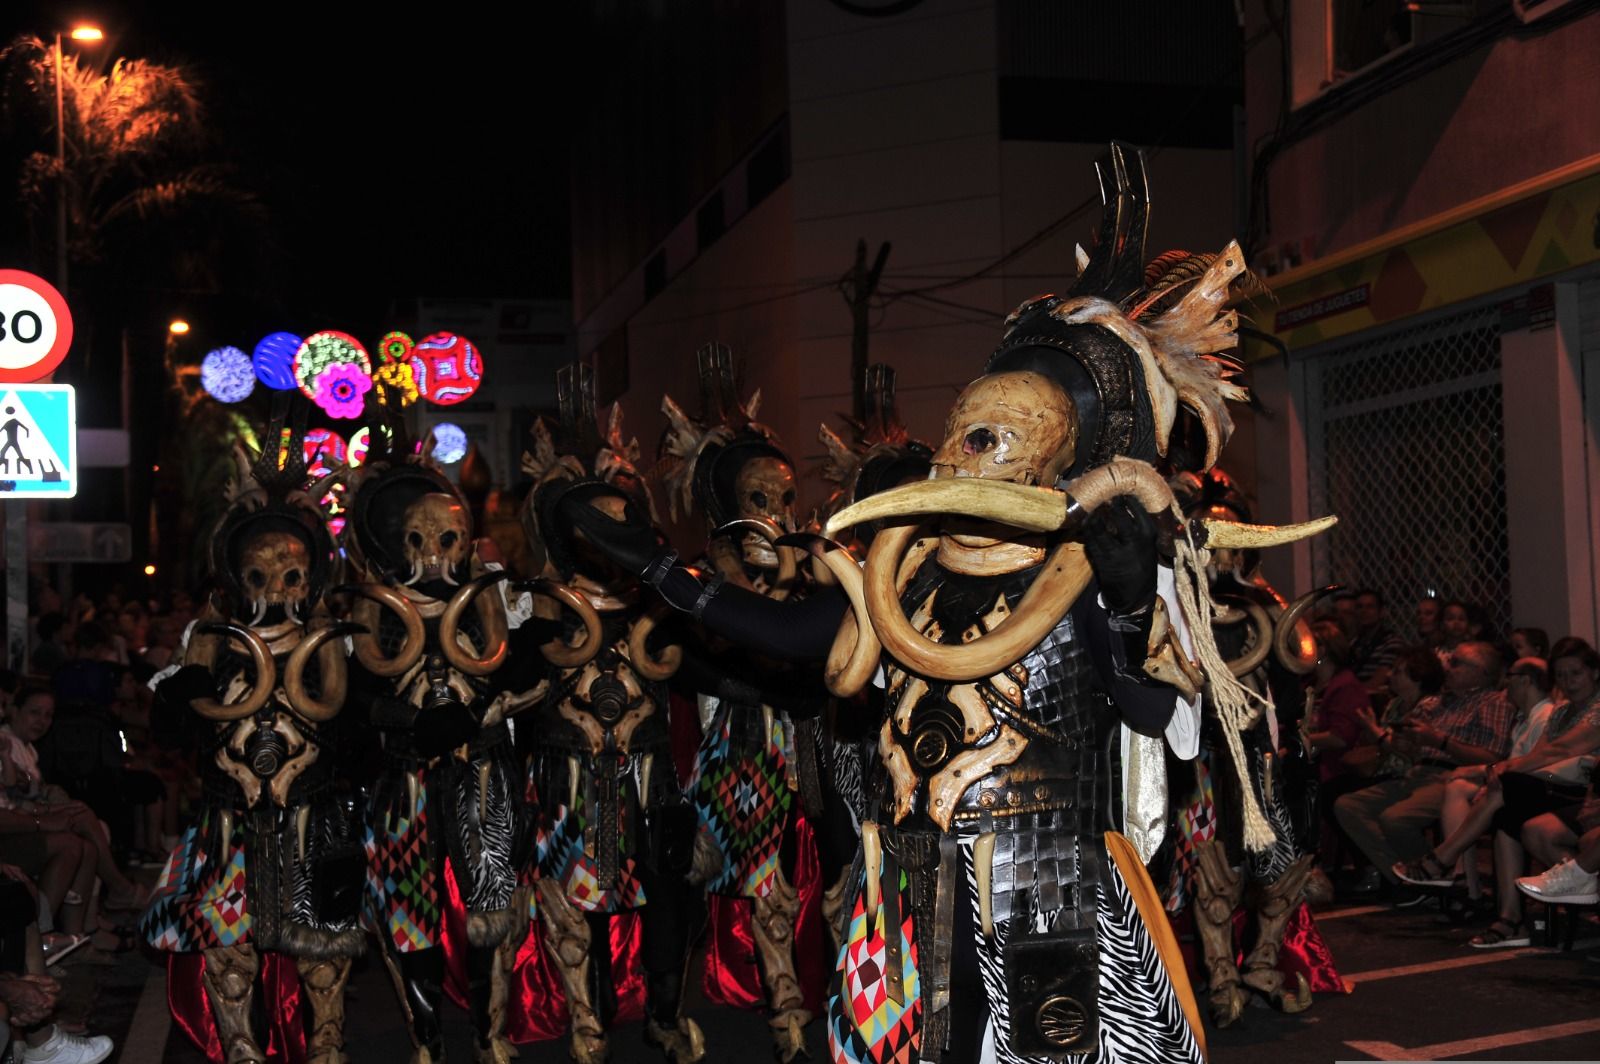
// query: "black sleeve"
[[788, 631], [1144, 704]]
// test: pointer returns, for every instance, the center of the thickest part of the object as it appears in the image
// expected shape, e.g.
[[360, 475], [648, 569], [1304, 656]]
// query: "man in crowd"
[[1376, 646], [1471, 726]]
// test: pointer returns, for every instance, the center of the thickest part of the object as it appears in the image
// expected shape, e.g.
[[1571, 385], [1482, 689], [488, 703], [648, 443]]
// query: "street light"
[[179, 327], [88, 35]]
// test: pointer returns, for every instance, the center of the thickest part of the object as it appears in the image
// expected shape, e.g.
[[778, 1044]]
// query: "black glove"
[[1120, 540], [632, 544], [187, 684]]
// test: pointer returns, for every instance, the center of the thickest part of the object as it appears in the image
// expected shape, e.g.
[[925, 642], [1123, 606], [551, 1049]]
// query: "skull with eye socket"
[[274, 568], [1021, 427], [765, 488], [437, 538]]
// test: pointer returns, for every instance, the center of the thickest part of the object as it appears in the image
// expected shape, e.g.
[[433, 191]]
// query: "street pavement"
[[1418, 993]]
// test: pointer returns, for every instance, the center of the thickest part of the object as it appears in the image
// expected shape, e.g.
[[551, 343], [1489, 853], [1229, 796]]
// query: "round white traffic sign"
[[35, 327]]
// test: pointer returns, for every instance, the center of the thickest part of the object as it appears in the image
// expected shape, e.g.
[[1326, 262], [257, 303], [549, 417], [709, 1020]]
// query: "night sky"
[[397, 155]]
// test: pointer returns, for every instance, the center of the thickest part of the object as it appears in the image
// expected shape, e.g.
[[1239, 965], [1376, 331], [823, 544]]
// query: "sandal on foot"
[[1502, 934], [1427, 872], [109, 940]]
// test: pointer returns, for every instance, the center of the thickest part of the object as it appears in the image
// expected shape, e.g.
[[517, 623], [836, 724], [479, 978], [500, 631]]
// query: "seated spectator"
[[1551, 775], [48, 807], [50, 652], [1470, 725], [1429, 633], [1573, 880], [1376, 645], [1415, 681], [1335, 726], [1530, 643], [1459, 622], [28, 996]]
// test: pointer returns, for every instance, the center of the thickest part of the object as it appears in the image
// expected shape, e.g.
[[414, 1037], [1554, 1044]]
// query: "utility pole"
[[859, 286]]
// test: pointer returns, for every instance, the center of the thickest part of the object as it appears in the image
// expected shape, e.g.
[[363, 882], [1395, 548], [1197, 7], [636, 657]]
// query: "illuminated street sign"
[[38, 441], [35, 327]]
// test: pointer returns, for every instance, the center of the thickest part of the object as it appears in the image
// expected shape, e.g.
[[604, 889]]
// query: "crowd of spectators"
[[1430, 744], [90, 793]]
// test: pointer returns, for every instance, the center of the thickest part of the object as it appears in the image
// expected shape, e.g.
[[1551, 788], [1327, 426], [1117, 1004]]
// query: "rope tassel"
[[1236, 706]]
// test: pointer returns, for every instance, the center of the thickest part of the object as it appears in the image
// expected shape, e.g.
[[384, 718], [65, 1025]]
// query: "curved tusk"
[[556, 651], [1065, 574], [788, 557], [374, 597], [266, 675], [655, 669], [1292, 640], [333, 674], [490, 615], [1251, 659], [853, 657], [1016, 505], [1240, 536]]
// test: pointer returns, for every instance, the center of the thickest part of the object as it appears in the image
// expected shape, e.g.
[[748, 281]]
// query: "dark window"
[[710, 221], [655, 274], [769, 166]]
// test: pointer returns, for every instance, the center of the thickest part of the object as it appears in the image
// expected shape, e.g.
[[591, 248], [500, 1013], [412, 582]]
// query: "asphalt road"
[[1419, 993]]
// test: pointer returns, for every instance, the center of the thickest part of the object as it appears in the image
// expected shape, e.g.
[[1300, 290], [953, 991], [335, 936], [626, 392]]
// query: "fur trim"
[[707, 859], [298, 940], [491, 928]]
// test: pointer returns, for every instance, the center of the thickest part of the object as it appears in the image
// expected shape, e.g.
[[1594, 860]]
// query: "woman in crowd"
[[1549, 776]]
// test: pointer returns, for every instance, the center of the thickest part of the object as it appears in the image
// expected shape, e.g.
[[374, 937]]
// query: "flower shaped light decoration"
[[333, 371], [342, 390], [447, 368], [274, 360], [227, 376]]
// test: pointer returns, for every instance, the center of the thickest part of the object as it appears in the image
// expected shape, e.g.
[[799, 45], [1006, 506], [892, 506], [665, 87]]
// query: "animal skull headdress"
[[727, 463], [576, 457], [880, 455], [272, 551]]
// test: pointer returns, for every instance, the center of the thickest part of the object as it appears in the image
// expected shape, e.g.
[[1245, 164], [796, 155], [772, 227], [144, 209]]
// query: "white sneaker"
[[64, 1048], [1565, 882]]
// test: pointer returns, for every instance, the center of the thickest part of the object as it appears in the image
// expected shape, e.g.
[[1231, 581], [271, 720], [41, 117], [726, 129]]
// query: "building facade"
[[1425, 188]]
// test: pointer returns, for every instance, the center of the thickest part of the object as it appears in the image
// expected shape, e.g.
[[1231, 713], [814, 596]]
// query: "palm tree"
[[142, 199]]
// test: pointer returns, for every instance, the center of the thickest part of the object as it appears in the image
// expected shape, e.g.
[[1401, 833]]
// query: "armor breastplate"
[[604, 707], [1021, 742]]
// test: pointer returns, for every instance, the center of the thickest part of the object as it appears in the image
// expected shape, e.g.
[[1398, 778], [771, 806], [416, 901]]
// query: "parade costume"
[[616, 831], [435, 644], [763, 757], [1013, 608], [272, 862], [1268, 646]]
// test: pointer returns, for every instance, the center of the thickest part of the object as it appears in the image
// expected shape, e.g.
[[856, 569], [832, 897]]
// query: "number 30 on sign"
[[35, 327]]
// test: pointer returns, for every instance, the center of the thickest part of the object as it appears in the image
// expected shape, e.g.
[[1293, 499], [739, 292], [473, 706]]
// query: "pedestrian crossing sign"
[[38, 441]]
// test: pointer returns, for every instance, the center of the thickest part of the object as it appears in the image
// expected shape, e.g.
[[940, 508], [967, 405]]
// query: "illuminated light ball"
[[323, 449], [274, 360], [394, 347], [396, 386], [226, 375], [360, 444], [322, 351], [446, 367], [449, 443]]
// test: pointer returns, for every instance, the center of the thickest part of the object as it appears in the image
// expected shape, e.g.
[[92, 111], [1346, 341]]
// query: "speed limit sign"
[[35, 327]]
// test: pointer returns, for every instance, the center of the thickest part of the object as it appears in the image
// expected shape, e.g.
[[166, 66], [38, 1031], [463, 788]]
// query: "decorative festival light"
[[333, 371], [395, 347], [360, 444], [324, 449], [226, 375], [396, 385], [446, 367], [449, 443], [274, 360]]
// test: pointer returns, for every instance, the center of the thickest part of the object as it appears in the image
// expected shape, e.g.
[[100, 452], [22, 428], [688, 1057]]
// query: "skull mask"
[[1020, 427], [274, 568], [765, 488], [437, 538]]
